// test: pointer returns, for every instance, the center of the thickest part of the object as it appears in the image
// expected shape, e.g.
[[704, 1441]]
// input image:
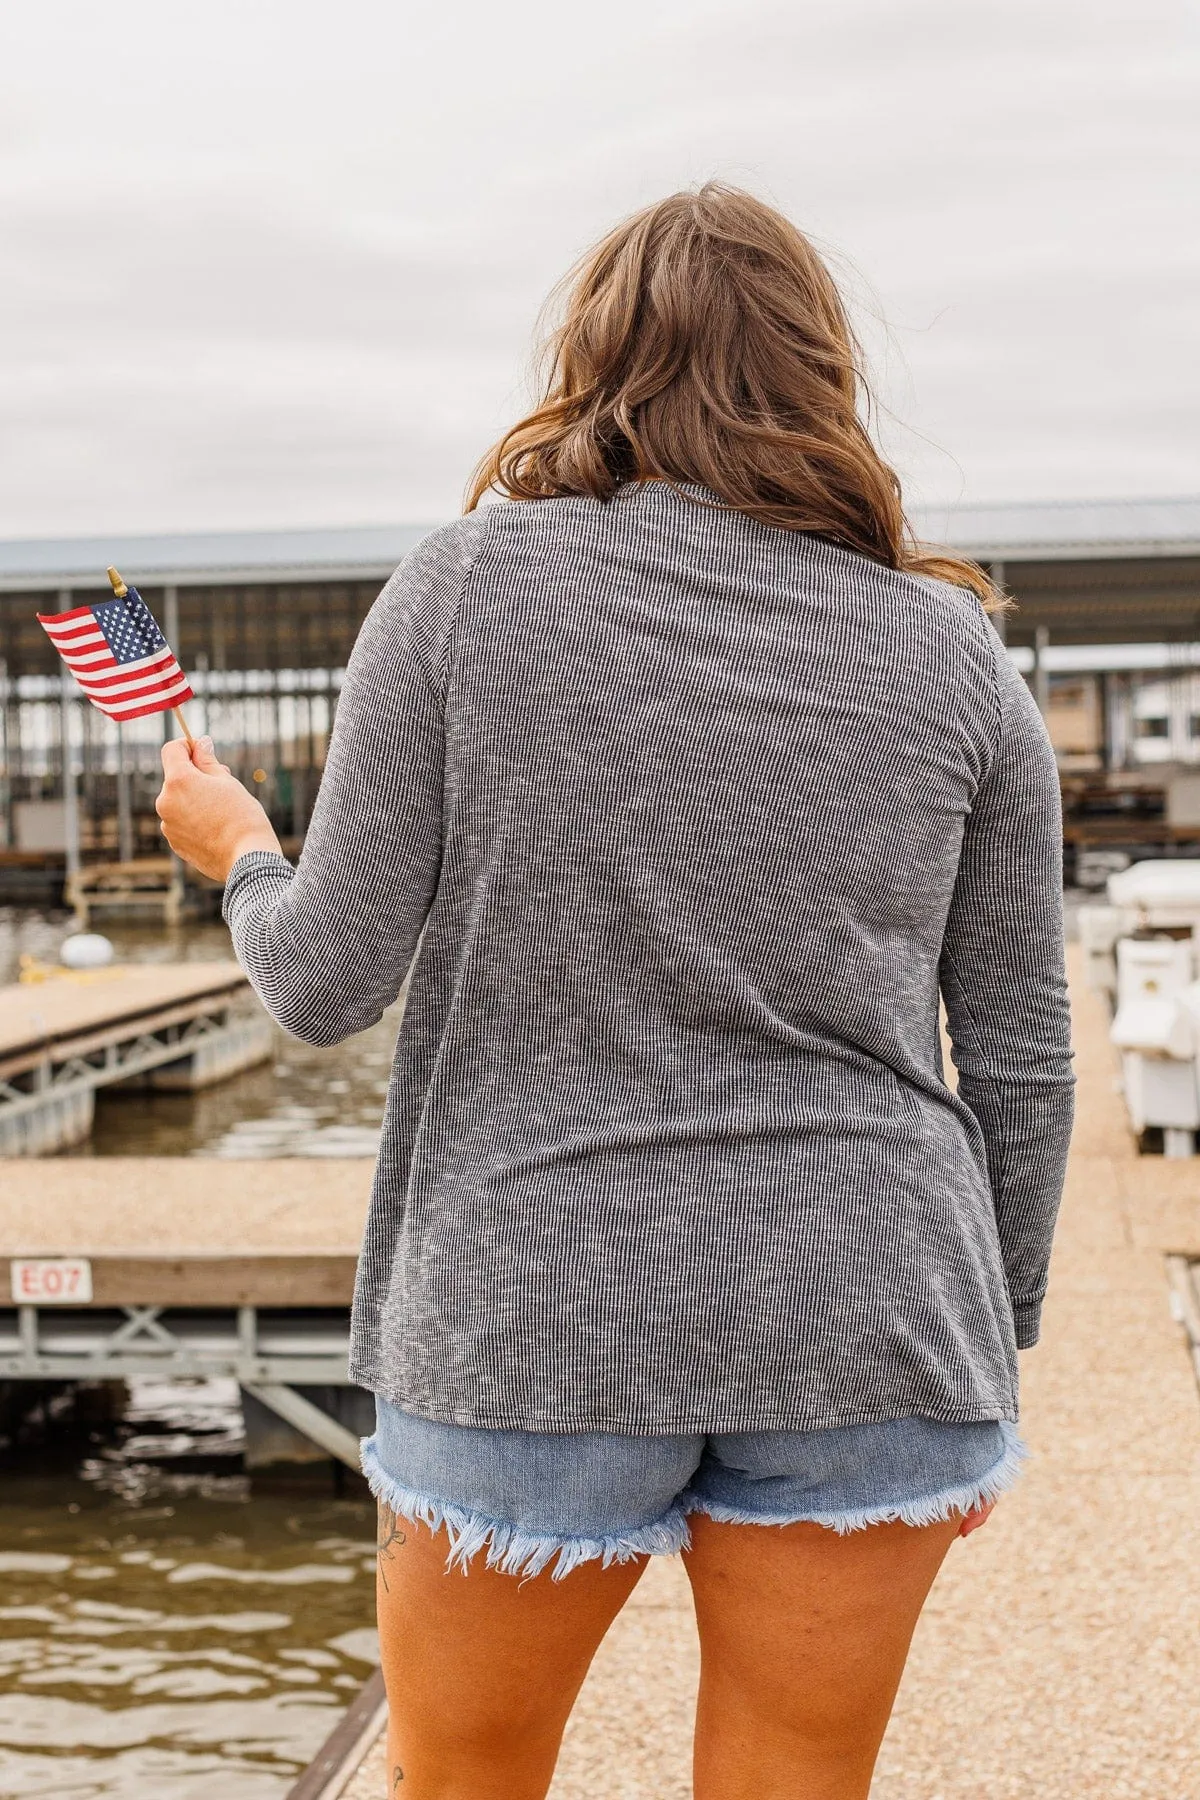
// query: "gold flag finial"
[[118, 586]]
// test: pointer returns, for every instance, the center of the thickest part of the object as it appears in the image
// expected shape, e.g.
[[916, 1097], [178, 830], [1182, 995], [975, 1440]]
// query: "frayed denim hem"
[[509, 1549], [930, 1509]]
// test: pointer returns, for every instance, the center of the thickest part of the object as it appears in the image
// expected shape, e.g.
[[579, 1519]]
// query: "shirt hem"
[[667, 1424]]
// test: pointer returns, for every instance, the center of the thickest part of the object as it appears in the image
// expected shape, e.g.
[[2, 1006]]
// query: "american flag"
[[118, 656]]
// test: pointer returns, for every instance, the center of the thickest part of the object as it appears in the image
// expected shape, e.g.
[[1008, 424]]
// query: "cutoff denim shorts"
[[531, 1498]]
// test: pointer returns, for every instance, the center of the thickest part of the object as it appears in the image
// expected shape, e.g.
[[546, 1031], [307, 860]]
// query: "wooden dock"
[[190, 1266], [69, 1010], [71, 1032], [143, 884]]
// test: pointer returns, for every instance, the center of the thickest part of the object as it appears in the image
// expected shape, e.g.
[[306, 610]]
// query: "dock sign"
[[51, 1281]]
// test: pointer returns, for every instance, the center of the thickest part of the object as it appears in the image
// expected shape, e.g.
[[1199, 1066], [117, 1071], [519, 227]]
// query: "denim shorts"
[[532, 1497]]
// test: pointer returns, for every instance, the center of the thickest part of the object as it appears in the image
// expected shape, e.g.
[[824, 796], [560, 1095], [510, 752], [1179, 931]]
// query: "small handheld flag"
[[119, 657]]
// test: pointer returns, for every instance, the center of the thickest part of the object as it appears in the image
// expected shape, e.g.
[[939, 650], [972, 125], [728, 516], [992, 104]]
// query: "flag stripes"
[[119, 657]]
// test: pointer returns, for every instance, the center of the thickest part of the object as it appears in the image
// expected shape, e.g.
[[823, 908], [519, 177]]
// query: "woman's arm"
[[327, 945], [1003, 978]]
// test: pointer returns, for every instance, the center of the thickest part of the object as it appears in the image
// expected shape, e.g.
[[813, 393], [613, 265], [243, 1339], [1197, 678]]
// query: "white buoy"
[[85, 950]]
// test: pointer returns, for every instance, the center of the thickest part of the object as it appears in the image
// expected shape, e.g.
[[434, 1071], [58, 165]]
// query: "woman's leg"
[[482, 1668], [803, 1636]]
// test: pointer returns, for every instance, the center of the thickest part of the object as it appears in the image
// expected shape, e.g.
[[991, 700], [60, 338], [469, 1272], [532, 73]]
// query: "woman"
[[678, 786]]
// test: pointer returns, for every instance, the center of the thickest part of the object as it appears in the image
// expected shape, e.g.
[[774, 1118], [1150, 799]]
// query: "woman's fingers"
[[208, 817], [178, 758], [204, 758], [175, 757]]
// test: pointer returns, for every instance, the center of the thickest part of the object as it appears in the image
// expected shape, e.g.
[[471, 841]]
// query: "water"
[[171, 1628], [307, 1102]]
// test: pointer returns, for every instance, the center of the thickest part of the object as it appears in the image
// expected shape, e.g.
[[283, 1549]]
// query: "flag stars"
[[129, 628]]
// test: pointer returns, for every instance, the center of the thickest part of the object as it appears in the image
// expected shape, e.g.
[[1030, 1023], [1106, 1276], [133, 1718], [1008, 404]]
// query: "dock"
[[190, 1266], [152, 884], [165, 1024], [1058, 1656]]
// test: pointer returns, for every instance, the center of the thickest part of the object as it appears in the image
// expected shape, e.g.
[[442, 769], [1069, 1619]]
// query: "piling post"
[[70, 792], [1041, 674], [6, 786], [124, 810], [171, 632], [1000, 620]]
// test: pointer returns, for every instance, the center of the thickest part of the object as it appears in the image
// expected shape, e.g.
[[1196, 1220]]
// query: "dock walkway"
[[171, 1025], [176, 1207], [1059, 1655], [185, 1266], [72, 1007]]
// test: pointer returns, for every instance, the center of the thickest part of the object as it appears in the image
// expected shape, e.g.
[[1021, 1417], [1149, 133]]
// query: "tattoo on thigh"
[[397, 1777], [389, 1538]]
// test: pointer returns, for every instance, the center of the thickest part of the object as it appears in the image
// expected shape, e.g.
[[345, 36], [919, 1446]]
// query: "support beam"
[[1041, 675], [304, 1416], [124, 810], [70, 792], [1000, 622]]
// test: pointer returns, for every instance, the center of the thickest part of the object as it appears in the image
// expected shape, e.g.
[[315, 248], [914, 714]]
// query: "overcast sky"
[[271, 264]]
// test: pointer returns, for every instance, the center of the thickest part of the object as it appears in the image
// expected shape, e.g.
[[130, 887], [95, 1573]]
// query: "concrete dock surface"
[[71, 1005], [1059, 1655], [182, 1206]]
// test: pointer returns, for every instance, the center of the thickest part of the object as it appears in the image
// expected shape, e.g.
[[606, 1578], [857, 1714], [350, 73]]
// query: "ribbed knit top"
[[676, 825]]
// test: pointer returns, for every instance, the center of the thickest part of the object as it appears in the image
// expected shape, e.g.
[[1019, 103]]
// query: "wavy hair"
[[705, 341]]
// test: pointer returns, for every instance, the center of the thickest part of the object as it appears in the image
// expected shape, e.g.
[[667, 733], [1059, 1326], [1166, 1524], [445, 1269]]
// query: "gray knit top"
[[677, 824]]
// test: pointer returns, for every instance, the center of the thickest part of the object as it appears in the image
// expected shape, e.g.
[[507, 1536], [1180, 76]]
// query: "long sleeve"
[[327, 945], [1003, 979]]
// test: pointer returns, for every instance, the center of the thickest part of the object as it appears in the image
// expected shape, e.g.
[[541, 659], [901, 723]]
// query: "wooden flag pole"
[[120, 589]]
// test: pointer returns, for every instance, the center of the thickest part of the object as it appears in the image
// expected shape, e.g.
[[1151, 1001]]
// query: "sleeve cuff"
[[258, 871], [1027, 1320]]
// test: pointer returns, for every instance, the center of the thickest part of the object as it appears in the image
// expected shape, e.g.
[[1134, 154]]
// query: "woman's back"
[[700, 811], [682, 784]]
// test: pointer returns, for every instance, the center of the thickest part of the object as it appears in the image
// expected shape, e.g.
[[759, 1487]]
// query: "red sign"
[[51, 1281]]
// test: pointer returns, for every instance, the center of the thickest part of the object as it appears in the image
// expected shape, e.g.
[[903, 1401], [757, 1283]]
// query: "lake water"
[[307, 1102], [172, 1628]]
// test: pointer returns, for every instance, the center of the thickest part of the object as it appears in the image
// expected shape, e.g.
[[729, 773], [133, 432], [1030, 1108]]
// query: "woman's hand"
[[979, 1515], [208, 818]]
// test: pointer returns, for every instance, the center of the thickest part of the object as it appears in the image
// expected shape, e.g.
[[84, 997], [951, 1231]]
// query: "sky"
[[270, 264]]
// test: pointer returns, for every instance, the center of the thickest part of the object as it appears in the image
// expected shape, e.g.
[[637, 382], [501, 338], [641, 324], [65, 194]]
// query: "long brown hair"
[[705, 341]]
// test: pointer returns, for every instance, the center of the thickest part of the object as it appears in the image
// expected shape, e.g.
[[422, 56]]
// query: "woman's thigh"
[[804, 1634], [482, 1667], [811, 1557], [504, 1556]]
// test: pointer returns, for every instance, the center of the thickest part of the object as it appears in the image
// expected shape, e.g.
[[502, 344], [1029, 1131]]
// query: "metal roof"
[[349, 552], [1060, 530], [1030, 532]]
